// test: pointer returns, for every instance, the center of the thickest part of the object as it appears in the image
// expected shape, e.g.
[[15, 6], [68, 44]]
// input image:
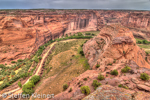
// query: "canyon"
[[77, 62], [22, 32]]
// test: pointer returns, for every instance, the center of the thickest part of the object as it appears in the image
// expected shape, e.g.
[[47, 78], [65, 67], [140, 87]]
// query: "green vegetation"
[[82, 53], [28, 87], [40, 58], [124, 52], [96, 84], [19, 84], [85, 79], [114, 72], [80, 34], [13, 62], [36, 59], [65, 86], [146, 53], [97, 66], [87, 33], [125, 69], [120, 85], [140, 41], [85, 89], [100, 77], [114, 61], [20, 60], [110, 64], [144, 76], [123, 86], [10, 74]]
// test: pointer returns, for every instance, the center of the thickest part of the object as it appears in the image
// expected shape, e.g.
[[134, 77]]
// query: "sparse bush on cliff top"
[[65, 86], [144, 76], [85, 89], [97, 66], [100, 77], [96, 84], [125, 69], [114, 72]]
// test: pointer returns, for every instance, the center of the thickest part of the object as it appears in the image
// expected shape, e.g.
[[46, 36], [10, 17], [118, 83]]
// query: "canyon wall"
[[21, 35]]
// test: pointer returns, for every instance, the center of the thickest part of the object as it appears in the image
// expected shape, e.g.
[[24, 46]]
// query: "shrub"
[[40, 57], [114, 72], [93, 34], [85, 79], [35, 79], [125, 69], [125, 87], [66, 35], [13, 72], [13, 62], [80, 34], [96, 84], [19, 84], [124, 52], [70, 90], [85, 89], [87, 33], [144, 76], [120, 85], [101, 77], [114, 61], [110, 64], [65, 86], [19, 60], [82, 53], [145, 42], [24, 75], [146, 53], [97, 66], [36, 59], [139, 42]]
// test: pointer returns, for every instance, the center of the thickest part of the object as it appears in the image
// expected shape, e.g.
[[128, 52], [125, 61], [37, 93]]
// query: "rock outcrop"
[[114, 43], [107, 92]]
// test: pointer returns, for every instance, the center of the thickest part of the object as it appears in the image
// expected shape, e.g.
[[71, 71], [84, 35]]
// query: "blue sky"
[[76, 4]]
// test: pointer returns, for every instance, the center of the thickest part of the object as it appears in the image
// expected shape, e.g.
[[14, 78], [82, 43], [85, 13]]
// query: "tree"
[[19, 84]]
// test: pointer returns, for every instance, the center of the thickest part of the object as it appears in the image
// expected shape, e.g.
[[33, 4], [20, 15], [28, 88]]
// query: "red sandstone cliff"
[[20, 35]]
